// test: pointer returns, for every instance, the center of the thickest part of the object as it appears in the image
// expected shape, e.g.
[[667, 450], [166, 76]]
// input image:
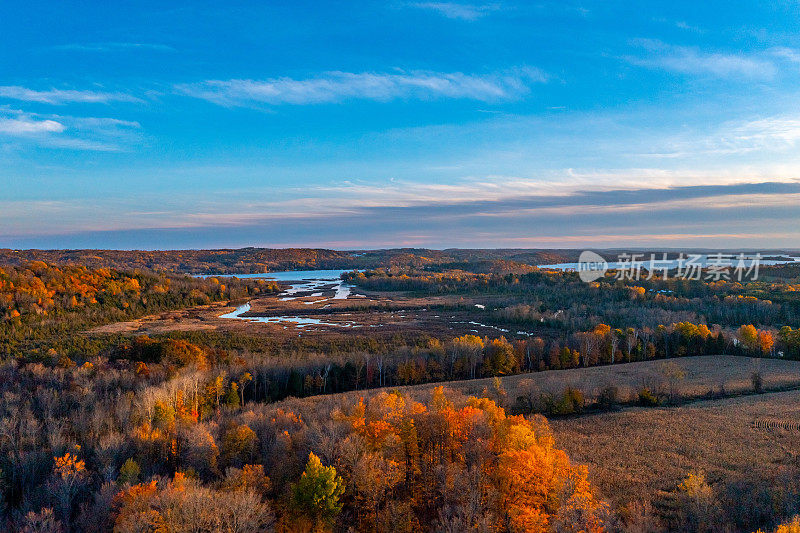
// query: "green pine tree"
[[318, 491]]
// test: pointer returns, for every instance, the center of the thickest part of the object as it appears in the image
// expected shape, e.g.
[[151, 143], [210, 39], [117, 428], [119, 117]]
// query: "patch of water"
[[487, 326], [286, 275], [297, 321], [302, 282], [496, 328]]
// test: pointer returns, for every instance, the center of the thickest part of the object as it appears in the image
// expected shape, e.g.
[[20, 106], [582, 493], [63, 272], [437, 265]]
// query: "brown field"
[[194, 318], [641, 453], [703, 375]]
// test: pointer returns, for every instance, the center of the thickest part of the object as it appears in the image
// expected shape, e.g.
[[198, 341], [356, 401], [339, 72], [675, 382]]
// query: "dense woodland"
[[561, 301], [168, 453], [208, 431], [258, 260], [43, 305]]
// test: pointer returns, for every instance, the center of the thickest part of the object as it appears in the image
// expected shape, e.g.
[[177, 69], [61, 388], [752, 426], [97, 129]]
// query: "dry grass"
[[376, 314], [189, 319], [703, 374], [638, 452]]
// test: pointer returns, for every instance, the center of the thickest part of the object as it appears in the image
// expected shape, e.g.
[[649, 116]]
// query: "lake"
[[302, 283]]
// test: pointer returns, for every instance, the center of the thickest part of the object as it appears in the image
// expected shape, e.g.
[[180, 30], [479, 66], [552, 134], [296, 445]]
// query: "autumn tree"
[[674, 374], [698, 503], [182, 504], [317, 493], [748, 336], [469, 348], [792, 526], [69, 475], [499, 357], [765, 342], [239, 445]]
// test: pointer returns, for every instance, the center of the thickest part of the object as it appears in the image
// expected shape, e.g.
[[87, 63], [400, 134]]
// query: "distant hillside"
[[255, 260]]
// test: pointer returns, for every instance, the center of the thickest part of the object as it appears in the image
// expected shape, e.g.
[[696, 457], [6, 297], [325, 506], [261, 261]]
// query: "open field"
[[703, 375], [642, 453], [194, 318]]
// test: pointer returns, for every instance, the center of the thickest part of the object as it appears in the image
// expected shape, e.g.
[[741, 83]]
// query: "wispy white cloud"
[[791, 55], [683, 25], [28, 126], [689, 60], [458, 11], [112, 46], [333, 87], [67, 132], [775, 138], [100, 123], [770, 133], [62, 96]]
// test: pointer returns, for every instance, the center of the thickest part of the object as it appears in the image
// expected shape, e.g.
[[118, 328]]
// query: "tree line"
[[43, 303], [129, 446]]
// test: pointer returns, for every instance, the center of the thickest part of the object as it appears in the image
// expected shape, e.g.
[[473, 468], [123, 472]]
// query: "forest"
[[256, 260], [42, 304], [267, 430]]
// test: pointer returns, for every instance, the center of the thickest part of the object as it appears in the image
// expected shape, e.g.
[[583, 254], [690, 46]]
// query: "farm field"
[[642, 454], [703, 375]]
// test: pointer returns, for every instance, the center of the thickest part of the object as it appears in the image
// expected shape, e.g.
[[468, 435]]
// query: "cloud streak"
[[337, 87], [690, 60], [26, 126], [710, 215], [112, 46], [99, 134], [62, 96], [453, 10]]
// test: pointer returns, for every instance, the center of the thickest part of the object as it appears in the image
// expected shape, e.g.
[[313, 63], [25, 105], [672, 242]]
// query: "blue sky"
[[377, 124]]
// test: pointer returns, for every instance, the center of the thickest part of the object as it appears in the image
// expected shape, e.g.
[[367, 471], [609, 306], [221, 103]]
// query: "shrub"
[[571, 402], [758, 382], [697, 503], [523, 406], [608, 398], [647, 398]]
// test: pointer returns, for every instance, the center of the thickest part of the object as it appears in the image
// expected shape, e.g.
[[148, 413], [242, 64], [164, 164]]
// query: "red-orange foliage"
[[534, 485]]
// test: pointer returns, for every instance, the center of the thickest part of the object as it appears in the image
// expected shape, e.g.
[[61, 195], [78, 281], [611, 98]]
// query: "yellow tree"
[[748, 336]]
